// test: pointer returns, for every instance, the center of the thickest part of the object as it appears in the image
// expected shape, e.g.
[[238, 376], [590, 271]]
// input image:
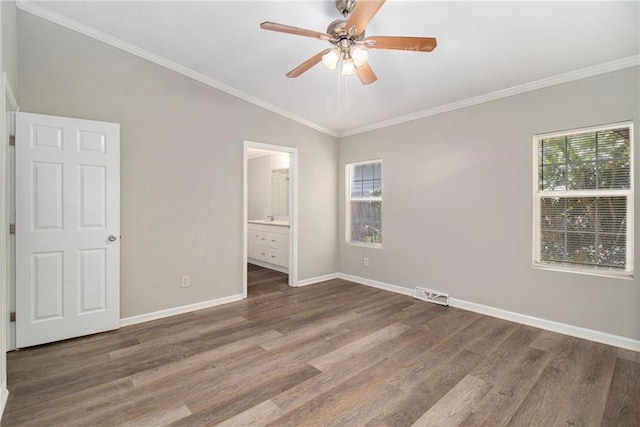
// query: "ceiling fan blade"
[[366, 74], [418, 44], [362, 13], [281, 28], [307, 64]]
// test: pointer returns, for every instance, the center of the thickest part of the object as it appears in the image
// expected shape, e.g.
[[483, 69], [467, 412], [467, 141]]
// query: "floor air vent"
[[431, 296]]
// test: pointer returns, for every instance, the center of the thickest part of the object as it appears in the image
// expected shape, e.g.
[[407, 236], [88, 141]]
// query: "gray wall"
[[457, 205], [457, 189], [259, 191], [181, 165], [9, 43], [259, 181]]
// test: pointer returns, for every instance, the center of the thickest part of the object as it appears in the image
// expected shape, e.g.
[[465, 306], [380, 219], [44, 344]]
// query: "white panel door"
[[67, 228]]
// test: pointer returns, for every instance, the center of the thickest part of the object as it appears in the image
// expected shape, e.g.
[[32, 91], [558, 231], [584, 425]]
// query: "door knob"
[[112, 238]]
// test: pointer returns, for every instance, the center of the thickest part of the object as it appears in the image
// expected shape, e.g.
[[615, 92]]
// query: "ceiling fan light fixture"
[[331, 58], [348, 67], [350, 50], [360, 56]]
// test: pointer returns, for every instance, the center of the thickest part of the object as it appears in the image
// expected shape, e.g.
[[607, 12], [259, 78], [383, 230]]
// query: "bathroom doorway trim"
[[293, 209]]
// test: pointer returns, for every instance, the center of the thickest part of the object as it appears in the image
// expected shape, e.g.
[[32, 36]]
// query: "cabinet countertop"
[[276, 223]]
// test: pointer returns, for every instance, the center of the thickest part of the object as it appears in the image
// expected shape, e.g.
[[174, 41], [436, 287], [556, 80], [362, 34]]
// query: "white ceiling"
[[254, 153], [483, 47]]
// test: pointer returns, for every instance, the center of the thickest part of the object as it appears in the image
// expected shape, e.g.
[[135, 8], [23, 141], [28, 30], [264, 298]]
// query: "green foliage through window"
[[591, 160], [584, 185], [584, 230], [364, 201]]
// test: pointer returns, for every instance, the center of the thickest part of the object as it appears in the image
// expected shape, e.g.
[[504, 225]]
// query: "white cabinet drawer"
[[269, 244], [263, 253], [275, 240], [263, 239], [275, 256]]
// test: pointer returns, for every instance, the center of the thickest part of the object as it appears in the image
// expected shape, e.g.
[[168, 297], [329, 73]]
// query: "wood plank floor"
[[330, 354]]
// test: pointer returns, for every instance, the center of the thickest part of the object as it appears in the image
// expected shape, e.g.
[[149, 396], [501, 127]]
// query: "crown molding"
[[41, 12], [608, 67]]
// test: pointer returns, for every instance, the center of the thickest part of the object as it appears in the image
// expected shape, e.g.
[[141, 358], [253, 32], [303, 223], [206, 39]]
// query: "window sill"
[[365, 245], [587, 271]]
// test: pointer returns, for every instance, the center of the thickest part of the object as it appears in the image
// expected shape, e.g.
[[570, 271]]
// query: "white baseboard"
[[317, 279], [127, 321], [550, 325], [4, 395], [375, 284], [268, 265], [12, 336]]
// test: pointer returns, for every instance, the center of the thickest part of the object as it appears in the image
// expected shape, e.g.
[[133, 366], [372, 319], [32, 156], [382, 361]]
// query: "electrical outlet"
[[366, 262], [186, 282]]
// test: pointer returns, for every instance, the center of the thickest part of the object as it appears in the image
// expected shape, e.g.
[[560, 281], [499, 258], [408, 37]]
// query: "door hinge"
[[12, 316], [12, 229], [12, 140]]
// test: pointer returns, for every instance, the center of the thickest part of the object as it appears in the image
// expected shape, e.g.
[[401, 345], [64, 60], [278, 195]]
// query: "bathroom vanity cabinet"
[[268, 245]]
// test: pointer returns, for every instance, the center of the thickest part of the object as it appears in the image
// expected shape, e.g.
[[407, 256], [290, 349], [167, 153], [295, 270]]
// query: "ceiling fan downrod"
[[345, 6]]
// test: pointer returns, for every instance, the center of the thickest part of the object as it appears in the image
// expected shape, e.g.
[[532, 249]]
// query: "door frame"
[[8, 103], [293, 209]]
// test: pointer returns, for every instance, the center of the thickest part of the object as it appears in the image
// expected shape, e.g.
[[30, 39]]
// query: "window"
[[583, 201], [364, 203]]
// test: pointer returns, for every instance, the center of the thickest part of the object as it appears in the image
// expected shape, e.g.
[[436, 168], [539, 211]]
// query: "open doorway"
[[270, 212]]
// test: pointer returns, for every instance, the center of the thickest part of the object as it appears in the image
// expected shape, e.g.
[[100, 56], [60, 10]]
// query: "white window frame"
[[348, 177], [538, 194]]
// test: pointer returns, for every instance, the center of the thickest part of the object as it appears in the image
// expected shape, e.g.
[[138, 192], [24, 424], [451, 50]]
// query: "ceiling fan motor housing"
[[337, 30]]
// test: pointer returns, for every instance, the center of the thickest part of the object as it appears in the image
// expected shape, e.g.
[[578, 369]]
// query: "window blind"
[[582, 202], [364, 203]]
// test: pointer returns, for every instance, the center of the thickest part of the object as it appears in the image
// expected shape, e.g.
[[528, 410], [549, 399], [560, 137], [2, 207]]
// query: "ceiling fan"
[[347, 35]]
